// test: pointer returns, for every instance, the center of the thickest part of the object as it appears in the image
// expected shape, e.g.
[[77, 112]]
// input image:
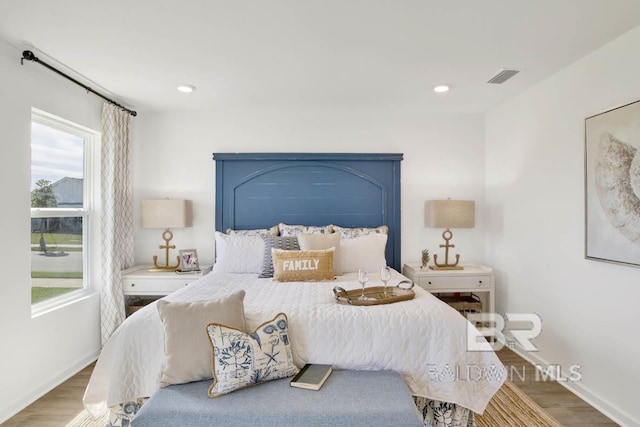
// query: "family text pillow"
[[241, 360], [300, 266], [186, 347]]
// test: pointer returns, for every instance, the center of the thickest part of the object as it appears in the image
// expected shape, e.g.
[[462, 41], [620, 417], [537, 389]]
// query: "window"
[[63, 192]]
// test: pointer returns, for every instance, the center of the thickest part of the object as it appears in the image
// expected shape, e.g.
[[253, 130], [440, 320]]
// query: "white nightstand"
[[141, 286], [139, 280], [475, 278]]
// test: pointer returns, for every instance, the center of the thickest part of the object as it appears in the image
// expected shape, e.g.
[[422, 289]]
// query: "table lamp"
[[449, 214], [166, 213]]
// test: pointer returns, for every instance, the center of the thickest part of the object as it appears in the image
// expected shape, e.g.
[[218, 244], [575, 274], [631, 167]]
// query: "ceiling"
[[312, 53]]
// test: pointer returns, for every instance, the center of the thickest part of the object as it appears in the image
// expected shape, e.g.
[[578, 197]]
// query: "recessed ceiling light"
[[186, 88], [441, 88]]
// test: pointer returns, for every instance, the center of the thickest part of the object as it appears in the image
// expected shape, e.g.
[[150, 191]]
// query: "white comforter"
[[423, 339]]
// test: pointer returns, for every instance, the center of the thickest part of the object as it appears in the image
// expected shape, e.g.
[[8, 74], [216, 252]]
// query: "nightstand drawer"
[[469, 282], [153, 286], [144, 280], [474, 278]]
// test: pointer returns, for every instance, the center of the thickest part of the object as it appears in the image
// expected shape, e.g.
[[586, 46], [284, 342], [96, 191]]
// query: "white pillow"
[[363, 252], [238, 253], [311, 242]]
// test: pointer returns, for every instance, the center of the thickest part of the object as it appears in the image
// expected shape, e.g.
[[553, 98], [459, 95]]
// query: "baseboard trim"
[[26, 400], [616, 414]]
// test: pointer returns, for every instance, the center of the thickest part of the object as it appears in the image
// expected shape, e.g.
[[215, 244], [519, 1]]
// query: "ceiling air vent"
[[503, 76]]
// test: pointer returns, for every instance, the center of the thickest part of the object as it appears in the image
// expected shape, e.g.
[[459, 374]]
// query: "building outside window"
[[64, 182]]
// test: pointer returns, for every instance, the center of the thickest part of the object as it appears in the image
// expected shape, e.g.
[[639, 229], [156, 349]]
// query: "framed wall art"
[[612, 185]]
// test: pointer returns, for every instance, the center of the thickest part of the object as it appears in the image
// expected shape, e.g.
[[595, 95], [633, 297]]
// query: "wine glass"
[[385, 276], [363, 278]]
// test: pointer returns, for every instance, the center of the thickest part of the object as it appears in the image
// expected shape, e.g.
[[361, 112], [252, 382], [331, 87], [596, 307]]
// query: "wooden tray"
[[376, 293]]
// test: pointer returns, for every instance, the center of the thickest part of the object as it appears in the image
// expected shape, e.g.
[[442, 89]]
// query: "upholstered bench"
[[347, 398]]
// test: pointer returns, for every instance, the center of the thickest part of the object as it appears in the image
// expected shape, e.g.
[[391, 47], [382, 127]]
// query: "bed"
[[423, 339]]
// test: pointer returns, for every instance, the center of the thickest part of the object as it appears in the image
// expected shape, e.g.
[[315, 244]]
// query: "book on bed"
[[311, 376]]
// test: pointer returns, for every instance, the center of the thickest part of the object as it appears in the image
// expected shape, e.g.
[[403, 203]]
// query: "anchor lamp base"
[[166, 236], [447, 235]]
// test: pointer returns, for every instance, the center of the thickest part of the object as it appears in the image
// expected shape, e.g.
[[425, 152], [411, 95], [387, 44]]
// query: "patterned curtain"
[[117, 215]]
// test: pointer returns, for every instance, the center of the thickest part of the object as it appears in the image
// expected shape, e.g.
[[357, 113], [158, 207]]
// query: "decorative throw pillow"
[[300, 266], [241, 360], [238, 254], [278, 242], [367, 252], [309, 242], [273, 231], [187, 349], [293, 230], [350, 233]]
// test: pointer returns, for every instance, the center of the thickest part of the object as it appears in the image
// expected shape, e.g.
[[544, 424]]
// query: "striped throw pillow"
[[289, 243]]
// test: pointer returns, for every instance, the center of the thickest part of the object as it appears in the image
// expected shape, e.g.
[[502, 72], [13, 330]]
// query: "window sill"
[[61, 301]]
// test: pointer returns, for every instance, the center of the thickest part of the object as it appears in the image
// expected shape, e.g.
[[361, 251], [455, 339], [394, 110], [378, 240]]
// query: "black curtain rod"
[[30, 56]]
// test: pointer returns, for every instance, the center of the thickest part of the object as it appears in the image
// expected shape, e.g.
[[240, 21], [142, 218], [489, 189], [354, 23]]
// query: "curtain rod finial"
[[28, 55]]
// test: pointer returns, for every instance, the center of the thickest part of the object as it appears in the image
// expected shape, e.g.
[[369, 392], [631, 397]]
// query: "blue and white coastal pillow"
[[293, 230], [273, 231], [353, 232], [241, 360]]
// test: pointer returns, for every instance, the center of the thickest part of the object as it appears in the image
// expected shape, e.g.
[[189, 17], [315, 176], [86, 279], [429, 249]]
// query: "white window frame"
[[89, 212]]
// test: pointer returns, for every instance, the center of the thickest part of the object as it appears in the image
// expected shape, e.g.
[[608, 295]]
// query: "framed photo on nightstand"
[[189, 260]]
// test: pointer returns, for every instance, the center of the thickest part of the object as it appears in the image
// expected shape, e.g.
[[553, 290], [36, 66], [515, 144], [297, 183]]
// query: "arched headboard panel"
[[259, 190]]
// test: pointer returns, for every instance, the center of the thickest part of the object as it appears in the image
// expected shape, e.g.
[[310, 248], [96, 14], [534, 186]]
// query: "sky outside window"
[[55, 154]]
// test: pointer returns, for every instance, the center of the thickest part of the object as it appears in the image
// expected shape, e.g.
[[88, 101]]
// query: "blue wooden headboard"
[[259, 190]]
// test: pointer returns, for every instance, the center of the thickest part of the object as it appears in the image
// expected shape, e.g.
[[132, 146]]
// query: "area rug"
[[84, 419], [511, 407]]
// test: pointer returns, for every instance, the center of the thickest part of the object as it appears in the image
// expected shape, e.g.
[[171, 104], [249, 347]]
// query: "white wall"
[[35, 353], [443, 157], [535, 234], [172, 157]]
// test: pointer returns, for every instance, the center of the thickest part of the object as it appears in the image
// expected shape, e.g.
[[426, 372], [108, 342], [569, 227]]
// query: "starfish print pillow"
[[244, 359]]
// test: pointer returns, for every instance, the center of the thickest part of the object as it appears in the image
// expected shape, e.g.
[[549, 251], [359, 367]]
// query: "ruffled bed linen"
[[423, 339]]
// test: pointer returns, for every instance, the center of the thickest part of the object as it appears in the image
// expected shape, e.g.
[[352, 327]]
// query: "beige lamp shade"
[[450, 213], [166, 213]]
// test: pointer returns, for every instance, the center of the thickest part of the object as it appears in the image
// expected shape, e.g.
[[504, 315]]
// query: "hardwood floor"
[[56, 408], [61, 405], [567, 408]]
